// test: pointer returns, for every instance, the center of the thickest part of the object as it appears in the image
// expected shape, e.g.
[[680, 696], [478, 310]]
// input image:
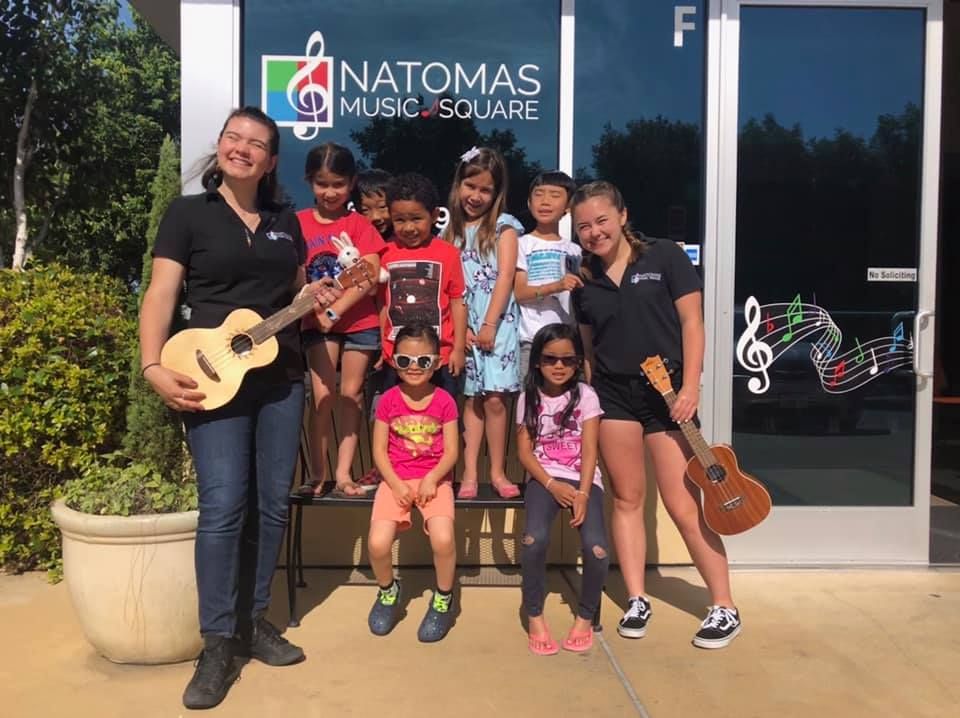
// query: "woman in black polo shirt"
[[235, 246], [641, 297]]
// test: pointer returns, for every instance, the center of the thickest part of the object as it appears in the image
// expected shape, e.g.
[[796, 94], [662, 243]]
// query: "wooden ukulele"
[[733, 501], [218, 359]]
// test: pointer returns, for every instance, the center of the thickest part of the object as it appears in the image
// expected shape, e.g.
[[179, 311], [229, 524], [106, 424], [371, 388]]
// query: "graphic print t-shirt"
[[546, 261], [415, 437], [558, 448], [423, 280], [322, 262]]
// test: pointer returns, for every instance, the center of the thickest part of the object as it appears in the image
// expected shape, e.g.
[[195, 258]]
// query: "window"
[[639, 97], [408, 86]]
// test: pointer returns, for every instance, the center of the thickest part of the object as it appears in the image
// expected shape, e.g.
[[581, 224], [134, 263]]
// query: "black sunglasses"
[[424, 361], [569, 361]]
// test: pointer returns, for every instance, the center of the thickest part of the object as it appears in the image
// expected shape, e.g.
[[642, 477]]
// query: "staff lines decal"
[[773, 329]]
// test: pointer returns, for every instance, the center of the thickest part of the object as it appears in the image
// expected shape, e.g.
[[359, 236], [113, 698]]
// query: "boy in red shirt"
[[426, 280]]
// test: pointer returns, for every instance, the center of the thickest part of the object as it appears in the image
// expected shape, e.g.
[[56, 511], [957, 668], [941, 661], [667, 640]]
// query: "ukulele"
[[733, 501], [218, 359]]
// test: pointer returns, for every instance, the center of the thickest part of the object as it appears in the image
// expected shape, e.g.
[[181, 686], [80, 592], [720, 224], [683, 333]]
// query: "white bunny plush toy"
[[347, 253]]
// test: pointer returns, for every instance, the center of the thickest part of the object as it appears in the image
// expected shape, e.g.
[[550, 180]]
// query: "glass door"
[[826, 221]]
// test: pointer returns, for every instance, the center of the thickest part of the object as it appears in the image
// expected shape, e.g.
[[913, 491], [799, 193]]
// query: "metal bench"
[[486, 498]]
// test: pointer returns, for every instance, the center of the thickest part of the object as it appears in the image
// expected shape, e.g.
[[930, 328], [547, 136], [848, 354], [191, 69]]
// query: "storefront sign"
[[309, 92]]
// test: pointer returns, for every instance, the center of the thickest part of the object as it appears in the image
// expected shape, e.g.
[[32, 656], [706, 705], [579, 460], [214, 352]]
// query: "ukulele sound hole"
[[241, 345], [716, 473]]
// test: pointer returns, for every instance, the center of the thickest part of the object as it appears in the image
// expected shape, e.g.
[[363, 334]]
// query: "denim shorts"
[[366, 340]]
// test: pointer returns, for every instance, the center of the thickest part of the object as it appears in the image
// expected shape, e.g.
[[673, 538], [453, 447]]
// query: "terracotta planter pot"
[[132, 583]]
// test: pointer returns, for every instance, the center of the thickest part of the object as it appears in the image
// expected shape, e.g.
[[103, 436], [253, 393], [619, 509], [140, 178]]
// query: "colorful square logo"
[[297, 91]]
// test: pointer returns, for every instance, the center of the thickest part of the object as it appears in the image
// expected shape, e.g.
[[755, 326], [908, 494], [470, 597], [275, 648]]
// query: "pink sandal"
[[542, 645], [468, 490], [578, 642], [506, 489]]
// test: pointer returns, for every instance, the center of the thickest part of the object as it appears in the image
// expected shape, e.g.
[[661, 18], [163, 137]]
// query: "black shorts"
[[627, 398]]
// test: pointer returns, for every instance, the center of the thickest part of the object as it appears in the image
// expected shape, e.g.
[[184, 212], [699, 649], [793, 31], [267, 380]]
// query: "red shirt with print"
[[423, 281], [322, 262]]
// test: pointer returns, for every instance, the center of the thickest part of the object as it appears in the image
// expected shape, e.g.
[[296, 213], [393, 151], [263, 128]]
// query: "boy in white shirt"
[[547, 264]]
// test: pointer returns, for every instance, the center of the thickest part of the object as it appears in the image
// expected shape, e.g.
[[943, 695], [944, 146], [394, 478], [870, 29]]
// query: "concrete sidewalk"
[[816, 643]]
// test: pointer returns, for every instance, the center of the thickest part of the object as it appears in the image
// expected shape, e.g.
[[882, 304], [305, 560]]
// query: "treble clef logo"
[[754, 354], [312, 101]]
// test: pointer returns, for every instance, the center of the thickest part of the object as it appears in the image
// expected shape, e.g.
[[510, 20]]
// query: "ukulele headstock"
[[359, 275], [654, 368]]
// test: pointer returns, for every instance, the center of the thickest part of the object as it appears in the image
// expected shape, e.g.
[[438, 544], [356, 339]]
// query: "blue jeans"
[[245, 454]]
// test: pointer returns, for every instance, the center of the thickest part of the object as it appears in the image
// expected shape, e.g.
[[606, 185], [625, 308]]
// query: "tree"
[[48, 82], [154, 432], [656, 164], [105, 94]]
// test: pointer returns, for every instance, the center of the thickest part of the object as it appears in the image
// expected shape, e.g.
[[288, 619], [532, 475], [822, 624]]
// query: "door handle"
[[917, 318]]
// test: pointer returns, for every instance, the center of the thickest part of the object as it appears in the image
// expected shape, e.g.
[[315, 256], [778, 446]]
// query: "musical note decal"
[[310, 91], [433, 109], [754, 355], [897, 337], [794, 316], [838, 372], [766, 339]]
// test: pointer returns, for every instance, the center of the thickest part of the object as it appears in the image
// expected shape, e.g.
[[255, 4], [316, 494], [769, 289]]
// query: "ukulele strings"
[[218, 359], [222, 357], [721, 487]]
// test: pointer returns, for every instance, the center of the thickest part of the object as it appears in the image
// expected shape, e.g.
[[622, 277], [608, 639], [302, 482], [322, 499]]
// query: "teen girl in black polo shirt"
[[643, 297], [235, 246]]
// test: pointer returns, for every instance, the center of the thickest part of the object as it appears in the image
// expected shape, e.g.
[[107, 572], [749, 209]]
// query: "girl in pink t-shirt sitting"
[[415, 444], [558, 420]]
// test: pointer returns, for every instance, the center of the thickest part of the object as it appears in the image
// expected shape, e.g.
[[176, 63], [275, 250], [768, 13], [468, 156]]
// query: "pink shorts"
[[386, 508]]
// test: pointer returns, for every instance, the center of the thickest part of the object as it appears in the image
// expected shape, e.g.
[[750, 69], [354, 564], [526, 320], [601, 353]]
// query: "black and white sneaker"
[[719, 628], [634, 621]]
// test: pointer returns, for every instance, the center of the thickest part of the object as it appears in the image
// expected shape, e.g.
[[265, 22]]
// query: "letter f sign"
[[679, 24]]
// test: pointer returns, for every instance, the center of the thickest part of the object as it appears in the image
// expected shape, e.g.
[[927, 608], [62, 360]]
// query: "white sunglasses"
[[423, 361]]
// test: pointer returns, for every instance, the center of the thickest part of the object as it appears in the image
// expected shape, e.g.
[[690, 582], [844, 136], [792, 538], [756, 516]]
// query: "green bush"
[[65, 343], [153, 472], [154, 431]]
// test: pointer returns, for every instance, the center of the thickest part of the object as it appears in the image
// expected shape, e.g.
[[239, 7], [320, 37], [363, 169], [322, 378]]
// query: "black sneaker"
[[386, 607], [268, 645], [721, 626], [634, 621], [217, 668], [438, 619]]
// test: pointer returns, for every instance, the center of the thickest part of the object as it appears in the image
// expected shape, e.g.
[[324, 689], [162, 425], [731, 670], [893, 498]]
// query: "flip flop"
[[578, 642], [506, 489], [338, 490], [542, 645], [311, 488], [468, 490]]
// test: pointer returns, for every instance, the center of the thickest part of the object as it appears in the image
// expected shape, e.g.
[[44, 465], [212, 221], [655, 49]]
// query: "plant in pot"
[[129, 521]]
